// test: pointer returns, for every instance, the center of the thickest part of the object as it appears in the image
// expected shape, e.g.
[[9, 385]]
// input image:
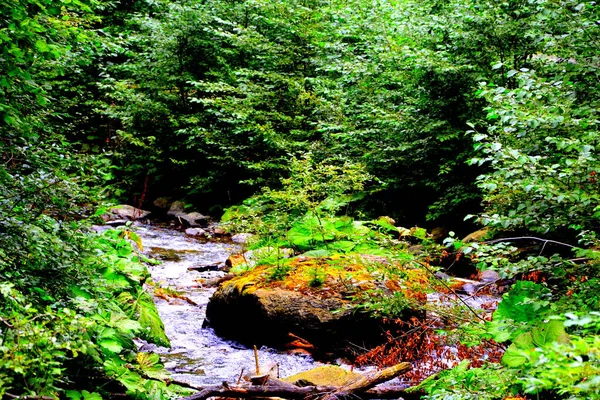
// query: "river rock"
[[192, 219], [162, 202], [470, 288], [218, 231], [195, 232], [268, 316], [489, 276], [235, 261], [241, 238], [438, 234], [326, 375], [476, 236], [177, 208], [124, 212], [195, 217]]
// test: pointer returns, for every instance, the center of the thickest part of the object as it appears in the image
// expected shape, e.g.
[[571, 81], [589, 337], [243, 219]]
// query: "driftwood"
[[217, 281], [361, 387], [207, 267], [295, 392], [367, 381]]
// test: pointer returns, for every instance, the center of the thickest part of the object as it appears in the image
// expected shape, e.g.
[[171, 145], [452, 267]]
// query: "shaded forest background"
[[436, 113]]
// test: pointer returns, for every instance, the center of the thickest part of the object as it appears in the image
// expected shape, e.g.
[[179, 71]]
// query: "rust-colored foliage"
[[417, 342], [535, 276]]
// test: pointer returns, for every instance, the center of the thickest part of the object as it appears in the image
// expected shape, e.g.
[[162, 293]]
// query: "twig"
[[485, 285], [183, 384], [240, 377], [369, 380], [451, 290], [512, 239], [579, 259], [10, 159], [256, 361], [12, 396], [543, 247]]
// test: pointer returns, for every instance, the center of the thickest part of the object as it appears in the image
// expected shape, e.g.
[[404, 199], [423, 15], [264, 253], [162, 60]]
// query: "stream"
[[197, 356]]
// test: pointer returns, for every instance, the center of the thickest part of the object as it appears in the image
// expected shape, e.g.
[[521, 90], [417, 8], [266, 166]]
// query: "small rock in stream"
[[443, 276], [241, 238], [489, 276], [117, 222], [207, 267], [195, 232], [218, 231]]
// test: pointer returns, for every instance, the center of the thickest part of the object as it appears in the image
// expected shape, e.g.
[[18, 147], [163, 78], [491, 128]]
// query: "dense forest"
[[288, 119]]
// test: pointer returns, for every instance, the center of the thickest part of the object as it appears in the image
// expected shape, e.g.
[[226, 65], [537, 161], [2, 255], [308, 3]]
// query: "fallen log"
[[361, 387], [295, 392], [214, 282], [369, 380]]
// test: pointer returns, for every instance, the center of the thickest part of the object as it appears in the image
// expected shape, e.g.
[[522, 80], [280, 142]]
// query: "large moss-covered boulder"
[[269, 316], [254, 309]]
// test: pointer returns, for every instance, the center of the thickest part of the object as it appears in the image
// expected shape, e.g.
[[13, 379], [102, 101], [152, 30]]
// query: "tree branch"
[[546, 241], [360, 387]]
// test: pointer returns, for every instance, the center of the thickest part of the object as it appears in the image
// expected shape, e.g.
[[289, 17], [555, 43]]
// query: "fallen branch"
[[295, 392], [361, 387], [367, 381], [428, 269], [217, 281], [25, 397], [512, 239]]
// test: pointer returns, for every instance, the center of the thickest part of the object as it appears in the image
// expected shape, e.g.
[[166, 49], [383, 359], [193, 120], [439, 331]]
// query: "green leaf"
[[318, 253], [309, 231], [345, 246], [73, 394], [152, 325], [90, 396], [523, 303], [150, 365], [522, 350], [519, 354], [115, 277], [111, 345], [136, 239], [550, 332], [9, 119], [42, 46]]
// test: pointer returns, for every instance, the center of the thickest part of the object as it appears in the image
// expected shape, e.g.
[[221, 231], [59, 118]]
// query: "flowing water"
[[197, 356]]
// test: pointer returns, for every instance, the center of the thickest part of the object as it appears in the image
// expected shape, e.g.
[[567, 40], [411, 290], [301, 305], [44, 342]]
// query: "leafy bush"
[[321, 188], [63, 327]]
